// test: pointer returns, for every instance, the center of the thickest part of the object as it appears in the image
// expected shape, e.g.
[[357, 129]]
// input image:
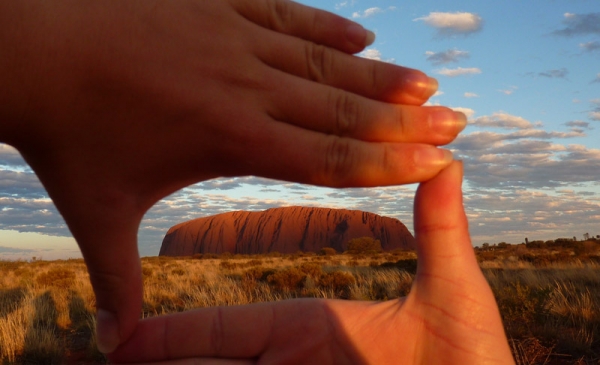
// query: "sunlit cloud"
[[453, 72], [502, 120], [470, 95], [450, 24]]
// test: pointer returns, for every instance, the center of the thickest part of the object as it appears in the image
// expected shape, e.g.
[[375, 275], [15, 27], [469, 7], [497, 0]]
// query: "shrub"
[[337, 280], [327, 251], [311, 269], [287, 279], [364, 245]]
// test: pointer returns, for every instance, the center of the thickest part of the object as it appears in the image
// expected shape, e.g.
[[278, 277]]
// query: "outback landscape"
[[548, 294]]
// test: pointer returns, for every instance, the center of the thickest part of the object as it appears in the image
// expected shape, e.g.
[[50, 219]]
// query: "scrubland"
[[549, 298]]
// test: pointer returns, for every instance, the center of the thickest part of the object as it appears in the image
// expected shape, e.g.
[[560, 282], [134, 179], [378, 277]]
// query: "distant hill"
[[285, 230]]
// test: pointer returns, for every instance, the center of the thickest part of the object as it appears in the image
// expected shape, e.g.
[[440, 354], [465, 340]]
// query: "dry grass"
[[551, 313]]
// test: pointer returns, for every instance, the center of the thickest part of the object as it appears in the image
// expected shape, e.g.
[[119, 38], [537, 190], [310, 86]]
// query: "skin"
[[449, 317], [116, 104]]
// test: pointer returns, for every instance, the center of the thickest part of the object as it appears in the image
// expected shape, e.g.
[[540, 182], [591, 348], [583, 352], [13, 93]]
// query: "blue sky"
[[527, 74]]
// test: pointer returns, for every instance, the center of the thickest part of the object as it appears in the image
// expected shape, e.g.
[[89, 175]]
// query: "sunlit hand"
[[449, 317], [118, 103]]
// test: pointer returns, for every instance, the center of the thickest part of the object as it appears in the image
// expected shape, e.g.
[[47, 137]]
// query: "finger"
[[369, 78], [441, 227], [314, 25], [109, 247], [328, 160], [334, 111]]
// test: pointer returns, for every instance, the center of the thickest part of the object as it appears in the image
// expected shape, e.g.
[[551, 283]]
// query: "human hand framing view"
[[449, 317], [117, 103]]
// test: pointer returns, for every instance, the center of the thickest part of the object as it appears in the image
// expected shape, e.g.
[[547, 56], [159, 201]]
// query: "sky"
[[527, 75]]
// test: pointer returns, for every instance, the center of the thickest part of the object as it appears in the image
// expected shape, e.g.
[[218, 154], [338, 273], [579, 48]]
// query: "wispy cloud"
[[509, 91], [470, 95], [453, 72], [371, 12], [555, 74], [445, 57], [579, 24], [597, 79], [590, 46], [452, 24], [578, 124]]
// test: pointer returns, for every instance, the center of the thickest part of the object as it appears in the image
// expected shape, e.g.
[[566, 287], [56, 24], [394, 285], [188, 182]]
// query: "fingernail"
[[360, 36], [107, 331], [447, 122], [420, 85], [370, 38], [432, 157]]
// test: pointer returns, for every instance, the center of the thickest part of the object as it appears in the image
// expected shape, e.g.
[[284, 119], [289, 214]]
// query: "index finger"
[[308, 23]]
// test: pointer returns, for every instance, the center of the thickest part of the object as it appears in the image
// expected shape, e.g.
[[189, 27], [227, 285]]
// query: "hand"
[[449, 317], [116, 104]]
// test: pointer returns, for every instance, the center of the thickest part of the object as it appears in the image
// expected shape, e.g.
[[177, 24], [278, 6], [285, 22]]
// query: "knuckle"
[[347, 113], [319, 62], [280, 14], [338, 163]]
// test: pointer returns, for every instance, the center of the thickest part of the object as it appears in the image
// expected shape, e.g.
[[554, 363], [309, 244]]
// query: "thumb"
[[113, 263], [441, 227]]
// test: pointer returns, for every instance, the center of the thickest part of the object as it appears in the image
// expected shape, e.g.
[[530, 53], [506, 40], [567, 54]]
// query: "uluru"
[[284, 230]]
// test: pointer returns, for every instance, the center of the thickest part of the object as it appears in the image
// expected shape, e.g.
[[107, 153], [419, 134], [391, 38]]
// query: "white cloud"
[[448, 24], [438, 93], [597, 79], [449, 56], [375, 54], [471, 95], [453, 72], [367, 13], [372, 54]]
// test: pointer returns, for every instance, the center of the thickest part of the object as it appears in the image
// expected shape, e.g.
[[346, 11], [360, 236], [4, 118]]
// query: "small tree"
[[364, 245]]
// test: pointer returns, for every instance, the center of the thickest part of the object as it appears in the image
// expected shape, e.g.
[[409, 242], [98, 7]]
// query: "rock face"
[[285, 230]]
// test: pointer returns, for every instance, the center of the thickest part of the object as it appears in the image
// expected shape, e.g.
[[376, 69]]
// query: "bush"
[[364, 245], [311, 269], [337, 280], [327, 251], [288, 279]]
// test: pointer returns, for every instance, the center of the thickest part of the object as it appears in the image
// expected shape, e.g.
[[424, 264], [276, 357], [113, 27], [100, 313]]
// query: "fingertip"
[[359, 36], [107, 331]]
